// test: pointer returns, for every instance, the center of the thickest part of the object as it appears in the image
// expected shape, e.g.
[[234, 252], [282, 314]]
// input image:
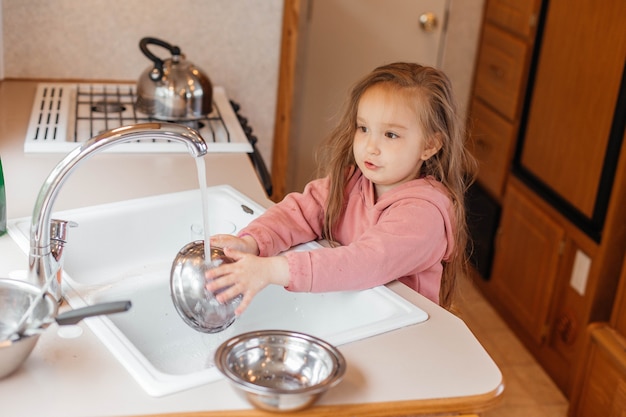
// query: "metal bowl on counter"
[[278, 370], [16, 298]]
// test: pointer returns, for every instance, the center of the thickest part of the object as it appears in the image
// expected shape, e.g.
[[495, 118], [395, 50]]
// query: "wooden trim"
[[612, 343], [457, 407], [284, 105], [322, 411], [467, 406]]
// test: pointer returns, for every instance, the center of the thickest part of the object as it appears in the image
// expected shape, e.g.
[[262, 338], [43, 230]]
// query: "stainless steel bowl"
[[196, 306], [280, 371], [15, 299]]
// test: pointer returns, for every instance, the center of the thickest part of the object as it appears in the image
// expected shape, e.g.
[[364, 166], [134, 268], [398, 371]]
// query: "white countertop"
[[435, 366]]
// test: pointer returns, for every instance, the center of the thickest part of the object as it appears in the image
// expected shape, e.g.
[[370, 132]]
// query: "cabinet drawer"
[[500, 73], [518, 16], [491, 142]]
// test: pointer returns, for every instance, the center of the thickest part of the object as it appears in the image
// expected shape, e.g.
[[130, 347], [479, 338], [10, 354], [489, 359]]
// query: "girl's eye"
[[391, 135], [361, 129]]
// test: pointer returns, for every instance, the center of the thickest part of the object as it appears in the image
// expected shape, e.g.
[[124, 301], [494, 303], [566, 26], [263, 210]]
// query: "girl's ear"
[[433, 146]]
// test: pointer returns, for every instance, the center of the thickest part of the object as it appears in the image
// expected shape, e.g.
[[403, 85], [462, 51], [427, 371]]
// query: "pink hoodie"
[[404, 235]]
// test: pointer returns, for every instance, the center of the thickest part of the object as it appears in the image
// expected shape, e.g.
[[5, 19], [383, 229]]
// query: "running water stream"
[[205, 208], [199, 307]]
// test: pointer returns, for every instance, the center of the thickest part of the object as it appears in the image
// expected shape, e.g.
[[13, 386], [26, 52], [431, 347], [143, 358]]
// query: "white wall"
[[236, 42], [1, 45]]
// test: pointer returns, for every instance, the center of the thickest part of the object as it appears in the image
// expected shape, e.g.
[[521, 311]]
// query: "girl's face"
[[389, 145]]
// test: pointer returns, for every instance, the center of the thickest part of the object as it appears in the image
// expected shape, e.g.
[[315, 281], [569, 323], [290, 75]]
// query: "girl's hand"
[[245, 244], [248, 275]]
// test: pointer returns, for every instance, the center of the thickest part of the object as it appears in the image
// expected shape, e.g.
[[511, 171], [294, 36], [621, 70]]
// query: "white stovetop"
[[51, 128]]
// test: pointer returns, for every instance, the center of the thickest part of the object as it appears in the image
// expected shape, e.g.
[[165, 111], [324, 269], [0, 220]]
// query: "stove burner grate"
[[104, 107]]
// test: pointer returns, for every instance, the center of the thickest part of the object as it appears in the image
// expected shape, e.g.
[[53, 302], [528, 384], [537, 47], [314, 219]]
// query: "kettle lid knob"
[[157, 72]]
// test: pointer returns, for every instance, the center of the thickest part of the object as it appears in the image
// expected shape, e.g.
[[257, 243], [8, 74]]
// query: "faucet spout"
[[43, 263]]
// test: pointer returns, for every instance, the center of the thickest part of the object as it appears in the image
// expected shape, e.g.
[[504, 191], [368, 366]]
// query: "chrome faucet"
[[48, 237]]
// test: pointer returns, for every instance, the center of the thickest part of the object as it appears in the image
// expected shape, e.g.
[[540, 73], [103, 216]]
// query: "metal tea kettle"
[[173, 89]]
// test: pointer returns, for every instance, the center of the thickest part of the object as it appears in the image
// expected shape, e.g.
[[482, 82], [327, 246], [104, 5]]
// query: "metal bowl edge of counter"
[[279, 370], [15, 299]]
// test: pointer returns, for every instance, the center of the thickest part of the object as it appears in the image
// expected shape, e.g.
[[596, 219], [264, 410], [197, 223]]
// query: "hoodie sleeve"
[[298, 218], [411, 235]]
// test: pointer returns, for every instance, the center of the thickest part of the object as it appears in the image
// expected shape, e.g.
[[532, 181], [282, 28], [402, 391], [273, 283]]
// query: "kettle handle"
[[157, 72]]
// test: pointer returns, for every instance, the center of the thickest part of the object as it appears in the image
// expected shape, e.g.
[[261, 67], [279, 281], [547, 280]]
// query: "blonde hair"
[[452, 165]]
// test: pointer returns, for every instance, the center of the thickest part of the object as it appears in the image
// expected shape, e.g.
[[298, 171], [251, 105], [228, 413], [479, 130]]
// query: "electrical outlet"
[[580, 272]]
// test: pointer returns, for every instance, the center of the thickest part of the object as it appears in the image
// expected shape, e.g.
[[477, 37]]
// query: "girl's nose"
[[372, 145]]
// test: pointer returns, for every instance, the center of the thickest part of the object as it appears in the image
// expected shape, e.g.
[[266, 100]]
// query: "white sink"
[[125, 251]]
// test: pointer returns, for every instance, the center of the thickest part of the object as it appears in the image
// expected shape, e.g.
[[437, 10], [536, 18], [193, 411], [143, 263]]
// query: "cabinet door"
[[526, 261], [341, 41], [574, 98]]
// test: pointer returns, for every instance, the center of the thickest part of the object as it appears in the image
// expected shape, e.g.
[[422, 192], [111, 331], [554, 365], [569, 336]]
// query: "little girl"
[[390, 204]]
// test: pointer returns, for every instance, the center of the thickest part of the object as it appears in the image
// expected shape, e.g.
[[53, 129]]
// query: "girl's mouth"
[[369, 165]]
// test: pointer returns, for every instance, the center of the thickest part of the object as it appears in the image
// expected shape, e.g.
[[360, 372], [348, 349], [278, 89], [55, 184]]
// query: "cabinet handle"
[[567, 328], [483, 145], [496, 70]]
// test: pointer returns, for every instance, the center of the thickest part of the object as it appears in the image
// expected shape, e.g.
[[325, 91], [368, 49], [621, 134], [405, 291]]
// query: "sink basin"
[[125, 250]]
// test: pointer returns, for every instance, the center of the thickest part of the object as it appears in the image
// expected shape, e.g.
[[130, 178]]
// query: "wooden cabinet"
[[549, 280], [553, 273], [499, 87], [574, 99], [604, 384], [528, 250], [601, 387]]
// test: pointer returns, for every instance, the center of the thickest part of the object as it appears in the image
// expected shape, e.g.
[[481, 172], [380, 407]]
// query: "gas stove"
[[65, 114]]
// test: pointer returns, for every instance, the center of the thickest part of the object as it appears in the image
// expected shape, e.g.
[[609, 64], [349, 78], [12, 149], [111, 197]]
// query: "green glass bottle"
[[3, 204]]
